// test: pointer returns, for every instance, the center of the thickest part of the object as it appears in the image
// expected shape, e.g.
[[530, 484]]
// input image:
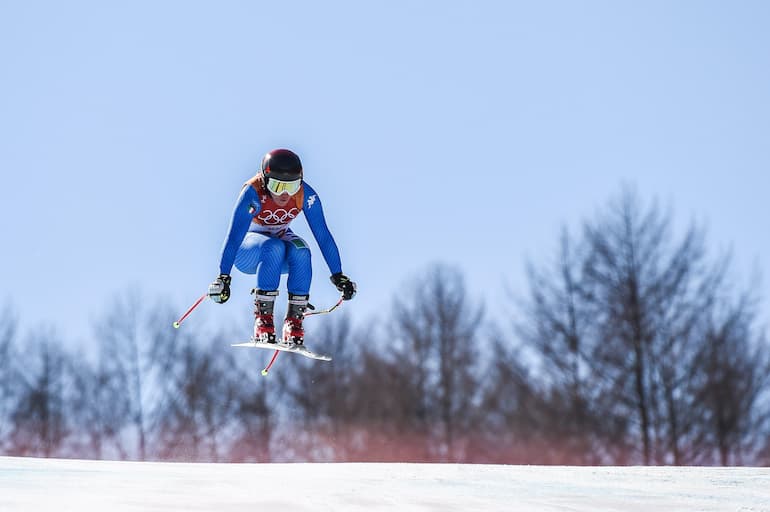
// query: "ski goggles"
[[278, 187]]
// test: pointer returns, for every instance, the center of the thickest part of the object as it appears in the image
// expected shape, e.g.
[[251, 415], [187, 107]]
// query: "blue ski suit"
[[259, 240]]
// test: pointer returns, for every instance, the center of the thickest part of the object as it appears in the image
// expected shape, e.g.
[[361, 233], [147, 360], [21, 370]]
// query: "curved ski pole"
[[322, 312], [328, 310], [187, 313]]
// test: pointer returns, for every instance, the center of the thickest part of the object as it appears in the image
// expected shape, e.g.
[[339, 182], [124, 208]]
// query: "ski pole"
[[322, 312], [272, 360], [328, 310], [187, 313]]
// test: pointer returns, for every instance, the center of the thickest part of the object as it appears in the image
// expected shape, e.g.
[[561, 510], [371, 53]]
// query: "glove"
[[344, 285], [219, 290]]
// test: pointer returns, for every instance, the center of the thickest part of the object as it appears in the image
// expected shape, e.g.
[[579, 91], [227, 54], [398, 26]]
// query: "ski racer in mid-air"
[[259, 241]]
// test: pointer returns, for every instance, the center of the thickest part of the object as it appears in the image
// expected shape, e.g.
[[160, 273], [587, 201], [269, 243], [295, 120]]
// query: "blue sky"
[[127, 129]]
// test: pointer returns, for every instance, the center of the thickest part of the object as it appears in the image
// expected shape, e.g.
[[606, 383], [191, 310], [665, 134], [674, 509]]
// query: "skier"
[[259, 241]]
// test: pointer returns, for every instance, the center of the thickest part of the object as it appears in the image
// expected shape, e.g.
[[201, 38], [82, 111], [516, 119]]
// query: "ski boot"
[[293, 333], [264, 327]]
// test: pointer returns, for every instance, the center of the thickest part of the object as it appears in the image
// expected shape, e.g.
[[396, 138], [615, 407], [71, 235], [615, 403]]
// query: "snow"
[[72, 485]]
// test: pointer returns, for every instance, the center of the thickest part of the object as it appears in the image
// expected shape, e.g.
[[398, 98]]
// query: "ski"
[[294, 349]]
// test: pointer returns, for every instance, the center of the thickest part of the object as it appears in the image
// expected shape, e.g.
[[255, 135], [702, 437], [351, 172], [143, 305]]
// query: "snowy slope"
[[68, 485]]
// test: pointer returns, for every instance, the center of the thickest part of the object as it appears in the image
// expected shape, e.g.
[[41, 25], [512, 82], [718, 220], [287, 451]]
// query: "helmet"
[[281, 164]]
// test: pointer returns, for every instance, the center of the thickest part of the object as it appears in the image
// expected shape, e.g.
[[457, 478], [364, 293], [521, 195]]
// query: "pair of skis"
[[278, 347]]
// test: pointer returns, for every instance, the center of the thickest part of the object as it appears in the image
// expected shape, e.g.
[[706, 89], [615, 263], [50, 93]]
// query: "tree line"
[[632, 345]]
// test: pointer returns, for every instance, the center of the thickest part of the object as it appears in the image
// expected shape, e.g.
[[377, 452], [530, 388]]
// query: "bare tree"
[[650, 294], [204, 406], [436, 346], [321, 395], [409, 396], [254, 422], [98, 411], [557, 325], [733, 389], [9, 379], [514, 415], [193, 422], [52, 402], [136, 361], [164, 393], [623, 330], [40, 424]]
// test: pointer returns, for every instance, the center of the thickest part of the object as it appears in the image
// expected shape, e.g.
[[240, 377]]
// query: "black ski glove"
[[344, 285], [219, 290]]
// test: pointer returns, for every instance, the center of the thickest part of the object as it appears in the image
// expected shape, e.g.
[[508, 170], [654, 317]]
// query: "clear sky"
[[465, 132]]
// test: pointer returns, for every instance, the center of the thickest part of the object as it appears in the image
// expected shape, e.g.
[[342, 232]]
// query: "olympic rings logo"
[[280, 216]]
